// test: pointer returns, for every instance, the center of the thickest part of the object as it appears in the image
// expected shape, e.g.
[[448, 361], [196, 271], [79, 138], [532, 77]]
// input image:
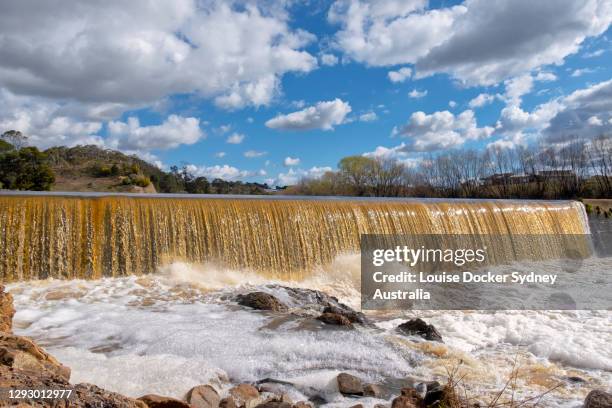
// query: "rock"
[[598, 399], [435, 392], [357, 406], [576, 379], [372, 390], [22, 353], [420, 328], [352, 315], [403, 402], [7, 311], [89, 395], [274, 404], [335, 319], [158, 401], [243, 393], [349, 384], [380, 406], [302, 404], [227, 402], [261, 301], [203, 396]]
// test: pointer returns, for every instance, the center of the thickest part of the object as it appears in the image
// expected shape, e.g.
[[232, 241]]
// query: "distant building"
[[496, 179], [556, 175]]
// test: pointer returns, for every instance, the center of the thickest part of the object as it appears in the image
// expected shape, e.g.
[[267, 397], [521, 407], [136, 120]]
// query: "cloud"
[[235, 138], [452, 104], [328, 59], [583, 114], [400, 75], [594, 54], [225, 172], [174, 131], [398, 153], [481, 100], [582, 71], [220, 155], [137, 53], [368, 117], [292, 176], [323, 115], [291, 161], [415, 94], [251, 154], [545, 76], [475, 42], [441, 130]]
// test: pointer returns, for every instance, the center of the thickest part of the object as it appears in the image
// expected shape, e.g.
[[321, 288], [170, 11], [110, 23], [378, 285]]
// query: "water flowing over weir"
[[91, 236]]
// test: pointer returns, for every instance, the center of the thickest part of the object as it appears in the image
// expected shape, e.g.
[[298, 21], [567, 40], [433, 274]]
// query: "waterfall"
[[91, 236]]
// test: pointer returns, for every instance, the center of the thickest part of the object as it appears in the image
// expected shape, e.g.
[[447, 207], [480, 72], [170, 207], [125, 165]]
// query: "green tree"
[[25, 169], [16, 138], [358, 171], [5, 146]]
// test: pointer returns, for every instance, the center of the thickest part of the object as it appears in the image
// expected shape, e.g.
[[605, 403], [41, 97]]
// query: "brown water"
[[80, 236]]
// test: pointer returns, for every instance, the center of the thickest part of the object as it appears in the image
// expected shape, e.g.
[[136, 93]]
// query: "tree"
[[16, 138], [5, 146], [25, 169], [358, 170]]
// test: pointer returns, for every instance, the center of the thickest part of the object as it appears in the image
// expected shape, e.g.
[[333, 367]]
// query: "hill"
[[91, 168]]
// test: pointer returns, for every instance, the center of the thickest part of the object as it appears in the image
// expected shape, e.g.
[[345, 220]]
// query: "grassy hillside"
[[90, 168]]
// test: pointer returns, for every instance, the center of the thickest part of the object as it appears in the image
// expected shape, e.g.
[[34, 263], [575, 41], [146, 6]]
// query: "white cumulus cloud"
[[441, 130], [235, 138], [323, 115], [400, 75], [291, 161]]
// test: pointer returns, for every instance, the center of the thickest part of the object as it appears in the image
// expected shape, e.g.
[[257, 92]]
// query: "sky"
[[273, 91]]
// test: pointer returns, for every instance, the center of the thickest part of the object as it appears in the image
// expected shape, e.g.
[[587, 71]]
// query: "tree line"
[[578, 169]]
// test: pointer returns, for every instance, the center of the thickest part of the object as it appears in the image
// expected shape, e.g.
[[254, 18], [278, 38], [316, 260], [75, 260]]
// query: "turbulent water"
[[167, 332], [150, 307], [77, 236]]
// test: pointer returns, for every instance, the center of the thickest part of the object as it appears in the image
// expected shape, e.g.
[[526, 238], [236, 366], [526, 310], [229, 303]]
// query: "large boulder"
[[419, 327], [349, 384], [7, 311], [203, 396], [598, 399], [23, 354], [261, 301], [335, 319], [158, 401]]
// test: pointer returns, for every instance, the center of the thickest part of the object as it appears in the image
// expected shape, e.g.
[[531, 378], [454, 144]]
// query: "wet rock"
[[158, 401], [244, 393], [420, 328], [404, 402], [302, 404], [274, 404], [227, 402], [598, 399], [372, 390], [410, 397], [261, 301], [335, 319], [89, 395], [7, 311], [349, 384], [203, 396], [576, 380], [434, 392], [22, 353], [352, 315]]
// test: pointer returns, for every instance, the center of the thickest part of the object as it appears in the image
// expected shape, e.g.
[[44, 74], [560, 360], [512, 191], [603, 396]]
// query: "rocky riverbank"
[[25, 365]]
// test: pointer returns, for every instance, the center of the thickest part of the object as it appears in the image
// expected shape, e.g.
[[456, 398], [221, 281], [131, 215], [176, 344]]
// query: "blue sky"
[[298, 86]]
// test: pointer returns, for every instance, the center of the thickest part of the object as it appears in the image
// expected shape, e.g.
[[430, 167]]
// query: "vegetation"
[[579, 169], [24, 169]]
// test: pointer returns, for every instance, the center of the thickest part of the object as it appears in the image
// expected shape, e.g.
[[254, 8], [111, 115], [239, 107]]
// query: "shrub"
[[142, 181]]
